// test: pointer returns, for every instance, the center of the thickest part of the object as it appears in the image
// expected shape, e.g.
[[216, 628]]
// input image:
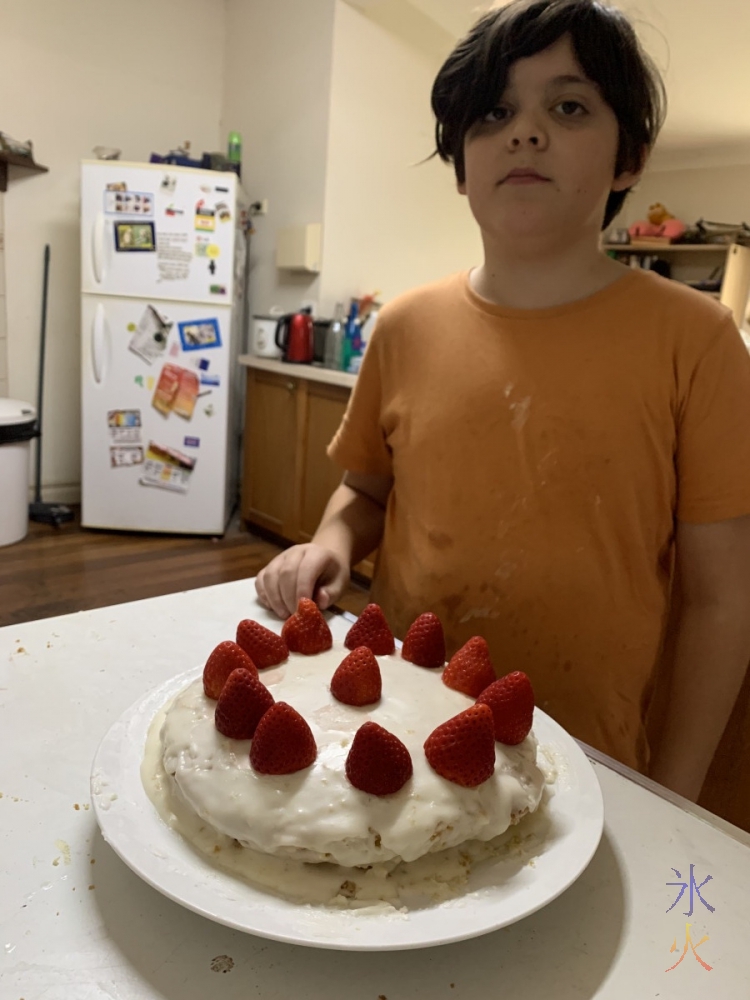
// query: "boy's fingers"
[[288, 580], [312, 566], [271, 587]]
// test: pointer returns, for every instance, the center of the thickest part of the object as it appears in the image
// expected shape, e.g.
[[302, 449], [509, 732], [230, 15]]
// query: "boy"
[[553, 451]]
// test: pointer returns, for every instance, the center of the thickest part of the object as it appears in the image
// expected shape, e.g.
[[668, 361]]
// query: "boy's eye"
[[497, 115], [571, 109]]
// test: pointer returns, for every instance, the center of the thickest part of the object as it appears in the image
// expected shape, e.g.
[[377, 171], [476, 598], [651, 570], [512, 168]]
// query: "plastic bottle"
[[234, 151], [352, 340], [335, 339]]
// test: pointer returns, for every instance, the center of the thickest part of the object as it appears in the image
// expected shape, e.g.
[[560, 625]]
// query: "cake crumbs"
[[348, 889]]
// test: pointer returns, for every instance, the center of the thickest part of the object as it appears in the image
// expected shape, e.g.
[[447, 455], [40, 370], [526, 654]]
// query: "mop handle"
[[40, 397]]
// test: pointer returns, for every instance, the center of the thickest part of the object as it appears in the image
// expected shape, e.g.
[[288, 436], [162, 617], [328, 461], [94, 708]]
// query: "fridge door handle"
[[97, 247], [99, 343]]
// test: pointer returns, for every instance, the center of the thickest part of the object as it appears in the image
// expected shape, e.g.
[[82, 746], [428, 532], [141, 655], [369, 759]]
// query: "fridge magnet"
[[205, 217], [221, 190], [129, 203], [167, 469], [150, 338], [202, 243], [210, 380], [139, 381], [213, 251], [174, 349], [206, 392], [209, 410], [124, 456], [172, 211], [135, 236], [168, 183], [199, 334], [203, 364], [176, 391], [124, 426], [212, 268], [218, 289], [191, 442], [222, 210], [150, 382], [117, 186]]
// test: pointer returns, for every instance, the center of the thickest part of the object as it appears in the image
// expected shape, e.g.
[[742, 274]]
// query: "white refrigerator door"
[[158, 231], [155, 388]]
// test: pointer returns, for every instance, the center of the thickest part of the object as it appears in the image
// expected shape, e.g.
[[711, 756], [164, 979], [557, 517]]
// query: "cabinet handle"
[[291, 386]]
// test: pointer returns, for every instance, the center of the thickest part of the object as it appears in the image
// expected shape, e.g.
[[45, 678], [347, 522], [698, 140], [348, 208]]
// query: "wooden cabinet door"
[[271, 453], [325, 408]]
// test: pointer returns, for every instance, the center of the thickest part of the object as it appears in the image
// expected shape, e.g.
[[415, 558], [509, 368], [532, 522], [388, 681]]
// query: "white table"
[[77, 924]]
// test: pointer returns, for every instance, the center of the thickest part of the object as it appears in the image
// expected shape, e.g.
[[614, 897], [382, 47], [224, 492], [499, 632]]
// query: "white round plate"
[[497, 894]]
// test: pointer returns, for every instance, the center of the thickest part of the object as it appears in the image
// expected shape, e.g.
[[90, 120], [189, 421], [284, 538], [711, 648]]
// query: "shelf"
[[670, 248], [14, 160]]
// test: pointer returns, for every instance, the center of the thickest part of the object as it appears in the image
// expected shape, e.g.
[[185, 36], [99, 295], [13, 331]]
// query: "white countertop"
[[77, 923], [313, 373]]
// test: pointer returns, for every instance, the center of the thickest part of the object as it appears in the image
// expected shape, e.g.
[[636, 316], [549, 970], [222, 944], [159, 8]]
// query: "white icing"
[[316, 814]]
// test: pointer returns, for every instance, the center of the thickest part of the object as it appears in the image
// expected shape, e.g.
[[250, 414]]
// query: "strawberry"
[[283, 742], [306, 631], [242, 703], [371, 630], [357, 679], [470, 669], [425, 643], [463, 748], [511, 700], [225, 658], [377, 762], [264, 647]]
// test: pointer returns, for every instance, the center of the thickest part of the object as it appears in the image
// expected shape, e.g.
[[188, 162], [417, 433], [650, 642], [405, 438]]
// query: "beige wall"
[[142, 76], [391, 222], [277, 94]]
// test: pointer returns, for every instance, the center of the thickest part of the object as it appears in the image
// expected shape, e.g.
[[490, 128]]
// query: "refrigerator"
[[162, 287]]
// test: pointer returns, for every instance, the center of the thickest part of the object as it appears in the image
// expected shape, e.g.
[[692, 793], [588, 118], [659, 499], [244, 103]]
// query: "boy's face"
[[541, 166]]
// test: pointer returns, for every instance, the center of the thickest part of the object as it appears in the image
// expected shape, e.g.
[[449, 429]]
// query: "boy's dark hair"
[[475, 75]]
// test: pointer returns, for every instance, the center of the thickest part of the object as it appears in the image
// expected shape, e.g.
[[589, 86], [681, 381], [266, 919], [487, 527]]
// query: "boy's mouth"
[[524, 175]]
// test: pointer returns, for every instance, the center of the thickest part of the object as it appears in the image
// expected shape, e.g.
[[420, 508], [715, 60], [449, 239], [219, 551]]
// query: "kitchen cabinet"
[[287, 477]]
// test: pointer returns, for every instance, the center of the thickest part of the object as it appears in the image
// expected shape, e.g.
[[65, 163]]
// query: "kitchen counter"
[[76, 922], [313, 373]]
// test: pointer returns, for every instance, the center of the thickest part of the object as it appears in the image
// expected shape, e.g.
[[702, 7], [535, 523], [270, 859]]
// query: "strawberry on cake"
[[298, 747]]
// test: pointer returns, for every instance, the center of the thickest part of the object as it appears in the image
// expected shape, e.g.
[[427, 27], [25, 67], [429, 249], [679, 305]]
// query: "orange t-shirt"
[[539, 459]]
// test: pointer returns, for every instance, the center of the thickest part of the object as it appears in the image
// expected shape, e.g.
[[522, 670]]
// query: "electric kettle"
[[294, 337]]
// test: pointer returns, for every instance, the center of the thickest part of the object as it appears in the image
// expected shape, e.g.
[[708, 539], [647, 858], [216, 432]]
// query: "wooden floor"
[[58, 571]]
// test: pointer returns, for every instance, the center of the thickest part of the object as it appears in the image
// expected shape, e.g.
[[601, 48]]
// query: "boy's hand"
[[302, 571]]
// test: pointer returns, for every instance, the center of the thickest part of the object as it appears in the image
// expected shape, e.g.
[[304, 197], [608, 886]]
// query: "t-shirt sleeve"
[[359, 444], [713, 435]]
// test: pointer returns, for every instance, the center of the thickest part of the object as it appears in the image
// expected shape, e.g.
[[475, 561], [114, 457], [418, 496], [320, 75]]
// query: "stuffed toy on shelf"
[[661, 224]]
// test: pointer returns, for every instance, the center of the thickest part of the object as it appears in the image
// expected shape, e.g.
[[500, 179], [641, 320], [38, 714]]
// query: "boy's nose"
[[526, 133]]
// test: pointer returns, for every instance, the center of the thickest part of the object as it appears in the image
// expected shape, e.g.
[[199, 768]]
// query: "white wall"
[[391, 222], [277, 94], [142, 76]]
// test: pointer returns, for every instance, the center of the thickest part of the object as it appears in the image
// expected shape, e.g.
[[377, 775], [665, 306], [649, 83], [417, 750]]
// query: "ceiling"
[[700, 46]]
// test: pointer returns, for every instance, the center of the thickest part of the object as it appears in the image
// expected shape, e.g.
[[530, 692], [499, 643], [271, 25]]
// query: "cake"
[[358, 755]]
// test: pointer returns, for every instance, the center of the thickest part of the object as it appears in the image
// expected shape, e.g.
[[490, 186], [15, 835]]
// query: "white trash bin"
[[17, 429]]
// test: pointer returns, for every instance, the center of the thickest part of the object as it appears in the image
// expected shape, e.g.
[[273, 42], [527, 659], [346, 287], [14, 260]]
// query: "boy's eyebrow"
[[571, 78]]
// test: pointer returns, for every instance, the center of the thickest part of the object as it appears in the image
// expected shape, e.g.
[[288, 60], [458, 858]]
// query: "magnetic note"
[[129, 203], [150, 338], [205, 217], [191, 442], [124, 456], [173, 256], [176, 392], [167, 469], [218, 289], [124, 426], [210, 379]]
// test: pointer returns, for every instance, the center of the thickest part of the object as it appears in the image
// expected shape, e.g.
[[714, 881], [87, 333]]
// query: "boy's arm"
[[712, 649], [352, 523]]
